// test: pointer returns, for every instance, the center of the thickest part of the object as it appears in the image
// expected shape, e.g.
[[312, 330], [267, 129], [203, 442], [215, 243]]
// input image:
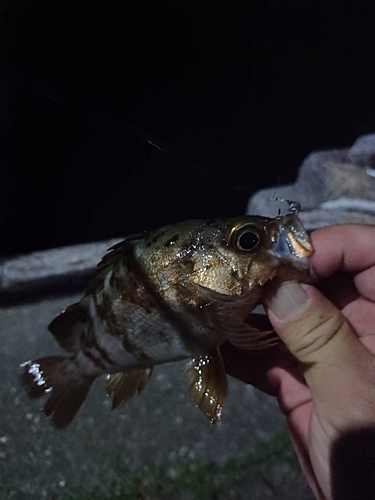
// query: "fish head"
[[239, 256]]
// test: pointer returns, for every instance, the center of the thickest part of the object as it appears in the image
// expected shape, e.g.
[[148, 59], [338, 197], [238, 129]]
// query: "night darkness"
[[244, 90]]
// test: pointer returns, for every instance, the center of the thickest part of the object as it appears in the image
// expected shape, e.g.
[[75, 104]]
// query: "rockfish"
[[173, 293]]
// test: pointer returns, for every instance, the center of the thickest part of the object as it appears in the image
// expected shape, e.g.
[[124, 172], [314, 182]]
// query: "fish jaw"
[[290, 242]]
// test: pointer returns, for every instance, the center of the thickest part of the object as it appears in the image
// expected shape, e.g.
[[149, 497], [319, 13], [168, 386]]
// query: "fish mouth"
[[290, 241]]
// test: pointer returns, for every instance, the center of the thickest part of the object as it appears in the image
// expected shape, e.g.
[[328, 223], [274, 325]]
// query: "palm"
[[276, 372], [344, 263]]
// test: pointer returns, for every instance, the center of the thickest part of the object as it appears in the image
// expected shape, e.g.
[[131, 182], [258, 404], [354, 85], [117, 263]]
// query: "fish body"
[[177, 292]]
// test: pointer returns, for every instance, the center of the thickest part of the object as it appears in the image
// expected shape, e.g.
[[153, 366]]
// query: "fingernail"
[[289, 300]]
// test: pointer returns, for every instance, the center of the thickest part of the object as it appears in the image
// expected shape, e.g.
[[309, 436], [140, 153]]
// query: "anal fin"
[[208, 384], [122, 386]]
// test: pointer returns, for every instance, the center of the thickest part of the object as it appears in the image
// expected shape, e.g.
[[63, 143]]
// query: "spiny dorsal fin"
[[208, 384], [122, 386], [110, 260]]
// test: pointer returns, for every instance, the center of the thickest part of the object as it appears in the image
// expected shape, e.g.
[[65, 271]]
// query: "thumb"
[[315, 331]]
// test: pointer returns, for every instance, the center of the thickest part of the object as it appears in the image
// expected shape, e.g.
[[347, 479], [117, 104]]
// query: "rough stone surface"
[[160, 425], [362, 152], [46, 268], [342, 177]]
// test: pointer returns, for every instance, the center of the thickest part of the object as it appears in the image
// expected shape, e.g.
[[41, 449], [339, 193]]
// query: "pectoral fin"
[[208, 384], [248, 338], [122, 386], [254, 336]]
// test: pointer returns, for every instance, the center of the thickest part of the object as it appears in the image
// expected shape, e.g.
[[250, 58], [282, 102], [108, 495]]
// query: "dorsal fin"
[[109, 261]]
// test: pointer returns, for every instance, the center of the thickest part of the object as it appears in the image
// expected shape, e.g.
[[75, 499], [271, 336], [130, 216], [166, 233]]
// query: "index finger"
[[348, 247]]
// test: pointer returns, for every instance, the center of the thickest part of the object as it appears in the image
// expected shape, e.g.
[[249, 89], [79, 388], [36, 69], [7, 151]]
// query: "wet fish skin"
[[173, 293]]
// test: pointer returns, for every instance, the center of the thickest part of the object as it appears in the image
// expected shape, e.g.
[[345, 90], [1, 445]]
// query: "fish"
[[173, 293]]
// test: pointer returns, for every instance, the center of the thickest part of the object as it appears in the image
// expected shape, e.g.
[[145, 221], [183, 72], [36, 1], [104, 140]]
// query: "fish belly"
[[145, 339]]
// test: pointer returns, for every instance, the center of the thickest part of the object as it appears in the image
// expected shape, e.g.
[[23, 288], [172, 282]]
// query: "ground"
[[159, 446]]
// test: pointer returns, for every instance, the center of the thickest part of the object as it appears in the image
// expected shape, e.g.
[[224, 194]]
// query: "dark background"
[[242, 89]]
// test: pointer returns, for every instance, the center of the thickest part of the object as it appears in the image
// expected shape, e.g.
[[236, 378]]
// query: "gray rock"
[[314, 219], [316, 176], [263, 202], [46, 269], [362, 152], [332, 187]]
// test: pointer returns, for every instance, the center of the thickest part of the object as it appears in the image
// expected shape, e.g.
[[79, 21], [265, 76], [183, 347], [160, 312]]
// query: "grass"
[[195, 480]]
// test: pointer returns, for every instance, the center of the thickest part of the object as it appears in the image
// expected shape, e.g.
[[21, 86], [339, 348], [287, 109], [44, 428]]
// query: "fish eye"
[[245, 238]]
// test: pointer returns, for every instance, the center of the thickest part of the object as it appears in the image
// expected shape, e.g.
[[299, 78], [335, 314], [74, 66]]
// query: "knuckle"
[[312, 338]]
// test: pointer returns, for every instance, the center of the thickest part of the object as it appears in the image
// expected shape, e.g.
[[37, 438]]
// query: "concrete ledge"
[[65, 268]]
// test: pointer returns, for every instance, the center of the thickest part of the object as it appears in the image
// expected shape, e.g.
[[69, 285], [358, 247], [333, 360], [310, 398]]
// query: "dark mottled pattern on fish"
[[173, 293]]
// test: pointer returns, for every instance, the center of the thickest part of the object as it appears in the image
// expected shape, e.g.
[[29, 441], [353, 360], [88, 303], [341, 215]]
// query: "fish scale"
[[177, 292]]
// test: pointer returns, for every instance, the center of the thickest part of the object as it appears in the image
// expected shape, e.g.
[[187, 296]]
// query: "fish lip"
[[291, 242]]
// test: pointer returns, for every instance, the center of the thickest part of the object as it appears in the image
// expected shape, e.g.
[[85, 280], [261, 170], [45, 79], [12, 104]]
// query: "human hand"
[[325, 381]]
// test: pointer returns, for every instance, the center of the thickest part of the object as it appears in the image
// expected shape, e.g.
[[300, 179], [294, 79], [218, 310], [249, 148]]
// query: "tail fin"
[[62, 379]]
